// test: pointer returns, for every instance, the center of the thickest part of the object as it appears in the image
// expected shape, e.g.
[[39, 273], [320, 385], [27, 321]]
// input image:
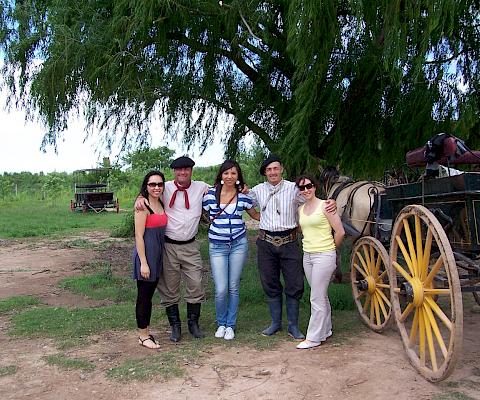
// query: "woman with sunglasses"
[[319, 258], [147, 256], [228, 245]]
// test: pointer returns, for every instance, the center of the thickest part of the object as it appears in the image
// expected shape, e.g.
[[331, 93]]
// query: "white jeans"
[[319, 268]]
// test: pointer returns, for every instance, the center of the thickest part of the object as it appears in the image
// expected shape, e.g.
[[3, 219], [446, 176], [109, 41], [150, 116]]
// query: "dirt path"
[[370, 366]]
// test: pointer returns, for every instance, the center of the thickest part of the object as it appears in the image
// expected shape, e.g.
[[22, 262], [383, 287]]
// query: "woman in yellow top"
[[319, 258]]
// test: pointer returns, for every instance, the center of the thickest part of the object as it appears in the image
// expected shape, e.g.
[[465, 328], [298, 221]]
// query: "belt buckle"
[[277, 241]]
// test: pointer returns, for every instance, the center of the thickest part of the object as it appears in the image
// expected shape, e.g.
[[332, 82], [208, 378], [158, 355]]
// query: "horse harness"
[[348, 205]]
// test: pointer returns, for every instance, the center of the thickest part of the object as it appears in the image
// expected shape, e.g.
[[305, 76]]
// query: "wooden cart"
[[425, 253], [91, 191]]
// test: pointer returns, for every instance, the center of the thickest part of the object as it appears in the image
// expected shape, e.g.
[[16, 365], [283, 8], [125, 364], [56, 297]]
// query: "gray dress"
[[154, 238]]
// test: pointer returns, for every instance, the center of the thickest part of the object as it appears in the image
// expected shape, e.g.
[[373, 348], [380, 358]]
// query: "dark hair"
[[311, 178], [227, 164], [143, 188]]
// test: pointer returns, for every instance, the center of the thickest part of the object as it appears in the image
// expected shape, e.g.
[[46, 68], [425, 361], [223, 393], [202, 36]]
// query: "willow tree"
[[349, 82]]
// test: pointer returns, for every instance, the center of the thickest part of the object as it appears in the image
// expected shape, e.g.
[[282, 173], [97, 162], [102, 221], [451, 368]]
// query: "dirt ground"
[[370, 366]]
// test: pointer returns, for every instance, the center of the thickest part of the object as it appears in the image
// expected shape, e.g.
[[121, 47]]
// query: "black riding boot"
[[275, 305], [174, 320], [193, 314], [292, 315]]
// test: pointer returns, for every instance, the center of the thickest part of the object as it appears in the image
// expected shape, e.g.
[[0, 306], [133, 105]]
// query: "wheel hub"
[[367, 284], [414, 291]]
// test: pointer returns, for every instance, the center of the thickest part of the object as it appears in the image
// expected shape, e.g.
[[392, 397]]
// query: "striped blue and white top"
[[228, 225]]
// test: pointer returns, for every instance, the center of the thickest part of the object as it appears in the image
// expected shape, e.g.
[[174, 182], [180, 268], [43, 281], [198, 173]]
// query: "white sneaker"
[[220, 333], [307, 344], [229, 334]]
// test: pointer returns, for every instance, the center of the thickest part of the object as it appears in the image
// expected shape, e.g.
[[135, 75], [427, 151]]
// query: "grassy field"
[[24, 218]]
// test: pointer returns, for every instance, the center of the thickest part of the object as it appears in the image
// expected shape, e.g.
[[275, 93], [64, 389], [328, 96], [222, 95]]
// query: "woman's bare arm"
[[337, 226]]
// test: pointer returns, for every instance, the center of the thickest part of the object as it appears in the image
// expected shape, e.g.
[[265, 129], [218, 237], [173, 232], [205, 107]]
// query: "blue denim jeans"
[[227, 261]]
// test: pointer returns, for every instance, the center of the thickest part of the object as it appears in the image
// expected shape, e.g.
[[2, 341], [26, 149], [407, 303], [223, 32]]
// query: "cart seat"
[[416, 158]]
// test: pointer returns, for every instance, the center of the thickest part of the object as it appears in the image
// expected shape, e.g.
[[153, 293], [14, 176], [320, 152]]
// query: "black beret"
[[182, 162], [271, 158]]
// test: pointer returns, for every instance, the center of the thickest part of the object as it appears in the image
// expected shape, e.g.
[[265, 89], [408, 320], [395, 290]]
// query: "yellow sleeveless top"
[[317, 232]]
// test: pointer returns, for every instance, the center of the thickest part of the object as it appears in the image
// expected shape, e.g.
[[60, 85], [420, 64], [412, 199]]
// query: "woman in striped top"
[[228, 245]]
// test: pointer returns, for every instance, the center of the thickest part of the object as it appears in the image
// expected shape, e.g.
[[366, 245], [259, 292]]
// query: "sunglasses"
[[155, 184], [308, 186]]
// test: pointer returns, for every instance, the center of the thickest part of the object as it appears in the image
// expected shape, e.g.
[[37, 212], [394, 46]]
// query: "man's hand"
[[140, 203], [245, 189], [331, 206]]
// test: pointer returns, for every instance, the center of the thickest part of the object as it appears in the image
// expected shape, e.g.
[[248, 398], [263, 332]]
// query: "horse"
[[356, 204]]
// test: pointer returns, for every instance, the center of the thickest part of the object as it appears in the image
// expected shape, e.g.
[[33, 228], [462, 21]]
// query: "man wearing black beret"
[[277, 247], [183, 206]]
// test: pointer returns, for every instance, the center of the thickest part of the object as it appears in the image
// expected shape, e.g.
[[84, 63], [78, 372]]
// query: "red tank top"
[[156, 220]]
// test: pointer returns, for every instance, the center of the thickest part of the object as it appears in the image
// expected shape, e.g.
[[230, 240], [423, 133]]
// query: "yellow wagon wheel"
[[370, 282], [425, 292]]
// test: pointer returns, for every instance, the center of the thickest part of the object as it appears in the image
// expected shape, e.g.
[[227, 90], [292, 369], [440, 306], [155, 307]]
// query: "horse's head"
[[328, 178]]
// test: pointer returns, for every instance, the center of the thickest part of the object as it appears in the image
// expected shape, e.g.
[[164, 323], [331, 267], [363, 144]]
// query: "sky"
[[20, 146]]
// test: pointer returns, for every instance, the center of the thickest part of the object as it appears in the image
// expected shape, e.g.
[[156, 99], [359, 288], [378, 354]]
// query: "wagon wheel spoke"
[[435, 329], [438, 311], [373, 262], [372, 310], [384, 298], [359, 269], [378, 264], [431, 347], [367, 302], [383, 286], [419, 245], [380, 277], [408, 260], [360, 294], [411, 247], [410, 307], [425, 292], [432, 292], [364, 264], [433, 272], [414, 328], [426, 255], [422, 336], [382, 305], [400, 269], [366, 253]]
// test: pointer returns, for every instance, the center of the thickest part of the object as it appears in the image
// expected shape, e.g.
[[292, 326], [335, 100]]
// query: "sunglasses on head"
[[308, 186], [155, 184]]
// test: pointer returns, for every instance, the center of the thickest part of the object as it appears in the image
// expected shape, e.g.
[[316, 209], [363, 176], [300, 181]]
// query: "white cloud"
[[20, 146]]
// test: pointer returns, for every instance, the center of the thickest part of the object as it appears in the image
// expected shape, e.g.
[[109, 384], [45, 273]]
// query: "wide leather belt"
[[172, 241], [277, 240]]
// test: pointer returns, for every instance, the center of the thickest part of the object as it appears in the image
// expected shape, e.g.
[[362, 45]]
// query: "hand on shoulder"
[[330, 206], [140, 203]]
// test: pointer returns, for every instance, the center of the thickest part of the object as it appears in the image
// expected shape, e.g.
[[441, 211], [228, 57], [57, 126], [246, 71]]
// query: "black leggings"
[[143, 309]]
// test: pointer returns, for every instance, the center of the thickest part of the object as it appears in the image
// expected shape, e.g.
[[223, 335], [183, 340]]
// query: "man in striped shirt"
[[277, 247]]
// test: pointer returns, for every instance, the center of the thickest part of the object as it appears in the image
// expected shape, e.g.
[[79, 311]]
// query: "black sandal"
[[141, 342]]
